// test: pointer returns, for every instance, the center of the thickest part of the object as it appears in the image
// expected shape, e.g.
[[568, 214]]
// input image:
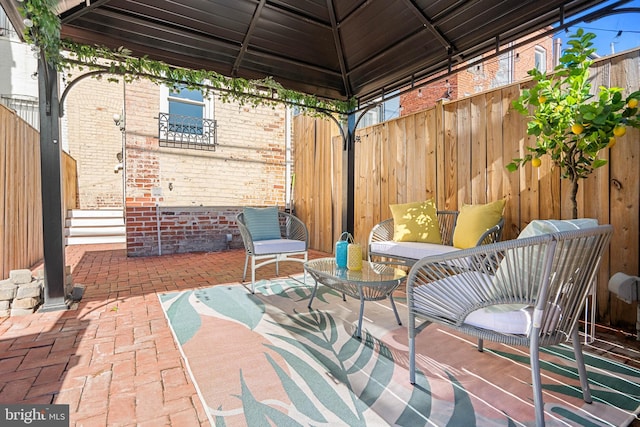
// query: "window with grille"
[[188, 122]]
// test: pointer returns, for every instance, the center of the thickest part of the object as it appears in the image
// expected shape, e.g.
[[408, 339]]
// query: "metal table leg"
[[395, 311], [313, 294], [359, 331]]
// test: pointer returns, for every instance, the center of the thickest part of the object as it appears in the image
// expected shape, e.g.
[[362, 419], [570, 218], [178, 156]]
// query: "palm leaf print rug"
[[267, 359]]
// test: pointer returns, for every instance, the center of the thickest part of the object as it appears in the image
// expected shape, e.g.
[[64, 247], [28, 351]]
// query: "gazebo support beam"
[[348, 175], [51, 189]]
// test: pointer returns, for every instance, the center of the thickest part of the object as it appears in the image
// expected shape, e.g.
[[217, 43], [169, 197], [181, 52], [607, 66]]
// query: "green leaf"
[[380, 377], [257, 413], [299, 399], [512, 167], [421, 398], [334, 368], [365, 355], [463, 412], [317, 381], [184, 319], [599, 163], [230, 302]]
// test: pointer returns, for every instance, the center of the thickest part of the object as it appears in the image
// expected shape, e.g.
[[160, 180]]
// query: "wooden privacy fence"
[[456, 153], [21, 244]]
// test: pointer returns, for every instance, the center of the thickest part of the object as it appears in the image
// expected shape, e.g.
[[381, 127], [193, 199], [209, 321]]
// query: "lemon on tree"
[[619, 131], [571, 125], [577, 128]]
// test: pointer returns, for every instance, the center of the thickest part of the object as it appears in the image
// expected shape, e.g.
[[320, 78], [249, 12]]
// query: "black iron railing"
[[178, 131]]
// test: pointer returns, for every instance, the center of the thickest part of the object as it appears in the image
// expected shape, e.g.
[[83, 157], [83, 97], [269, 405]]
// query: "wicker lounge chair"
[[545, 280], [292, 245]]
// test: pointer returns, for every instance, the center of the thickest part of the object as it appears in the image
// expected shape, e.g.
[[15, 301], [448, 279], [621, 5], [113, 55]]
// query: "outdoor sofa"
[[417, 230]]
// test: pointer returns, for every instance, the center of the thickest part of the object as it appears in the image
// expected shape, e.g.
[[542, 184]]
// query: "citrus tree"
[[571, 124]]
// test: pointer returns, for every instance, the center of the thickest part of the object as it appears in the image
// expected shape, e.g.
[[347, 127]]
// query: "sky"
[[614, 33]]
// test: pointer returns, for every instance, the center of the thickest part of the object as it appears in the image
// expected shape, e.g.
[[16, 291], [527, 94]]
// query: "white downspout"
[[288, 122]]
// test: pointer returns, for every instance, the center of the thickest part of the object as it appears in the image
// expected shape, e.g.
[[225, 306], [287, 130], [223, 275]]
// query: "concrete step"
[[94, 226], [96, 231], [94, 240], [94, 221], [95, 213]]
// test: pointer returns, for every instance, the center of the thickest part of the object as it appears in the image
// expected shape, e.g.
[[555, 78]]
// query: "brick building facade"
[[480, 76], [173, 192]]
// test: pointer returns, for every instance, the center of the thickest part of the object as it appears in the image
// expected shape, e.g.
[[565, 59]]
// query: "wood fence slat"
[[441, 201], [416, 154], [430, 164], [362, 164], [496, 171], [512, 145], [380, 212], [400, 138], [450, 172], [464, 182], [478, 152]]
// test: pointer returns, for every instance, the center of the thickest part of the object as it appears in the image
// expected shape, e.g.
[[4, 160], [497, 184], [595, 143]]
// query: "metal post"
[[51, 187], [348, 175]]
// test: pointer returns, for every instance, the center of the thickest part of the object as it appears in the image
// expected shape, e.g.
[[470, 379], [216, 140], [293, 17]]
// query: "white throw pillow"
[[539, 227]]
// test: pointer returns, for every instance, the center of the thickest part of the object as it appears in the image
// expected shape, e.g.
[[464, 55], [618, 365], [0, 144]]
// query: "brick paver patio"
[[113, 358]]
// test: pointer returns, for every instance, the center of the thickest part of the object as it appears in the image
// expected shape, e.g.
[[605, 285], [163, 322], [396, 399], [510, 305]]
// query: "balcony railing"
[[176, 131]]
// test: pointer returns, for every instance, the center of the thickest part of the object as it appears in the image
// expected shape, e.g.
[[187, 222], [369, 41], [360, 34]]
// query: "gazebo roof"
[[333, 49]]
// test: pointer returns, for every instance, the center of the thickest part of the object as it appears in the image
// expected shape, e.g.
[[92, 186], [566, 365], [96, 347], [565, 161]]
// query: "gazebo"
[[359, 50]]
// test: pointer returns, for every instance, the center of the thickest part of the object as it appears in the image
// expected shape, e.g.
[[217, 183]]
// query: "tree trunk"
[[574, 193]]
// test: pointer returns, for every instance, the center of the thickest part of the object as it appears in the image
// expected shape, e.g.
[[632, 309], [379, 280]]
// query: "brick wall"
[[186, 229], [93, 140], [247, 168], [427, 96], [189, 186]]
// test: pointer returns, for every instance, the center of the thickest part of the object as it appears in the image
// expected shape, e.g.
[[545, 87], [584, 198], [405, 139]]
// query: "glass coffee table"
[[373, 283]]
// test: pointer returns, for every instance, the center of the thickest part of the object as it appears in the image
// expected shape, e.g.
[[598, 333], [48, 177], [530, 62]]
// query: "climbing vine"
[[42, 29]]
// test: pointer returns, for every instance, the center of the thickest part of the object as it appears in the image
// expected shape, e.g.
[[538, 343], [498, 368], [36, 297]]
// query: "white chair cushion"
[[275, 246], [505, 318], [413, 250], [511, 318]]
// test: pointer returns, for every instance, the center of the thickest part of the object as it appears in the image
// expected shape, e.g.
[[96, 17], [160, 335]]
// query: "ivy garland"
[[43, 30]]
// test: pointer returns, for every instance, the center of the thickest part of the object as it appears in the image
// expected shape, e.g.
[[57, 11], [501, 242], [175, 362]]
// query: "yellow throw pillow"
[[474, 220], [416, 222]]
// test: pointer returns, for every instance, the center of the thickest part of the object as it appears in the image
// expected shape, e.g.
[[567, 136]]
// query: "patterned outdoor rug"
[[266, 359]]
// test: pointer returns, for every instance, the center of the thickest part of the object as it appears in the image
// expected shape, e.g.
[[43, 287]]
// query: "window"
[[26, 107], [540, 59], [188, 123], [186, 103]]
